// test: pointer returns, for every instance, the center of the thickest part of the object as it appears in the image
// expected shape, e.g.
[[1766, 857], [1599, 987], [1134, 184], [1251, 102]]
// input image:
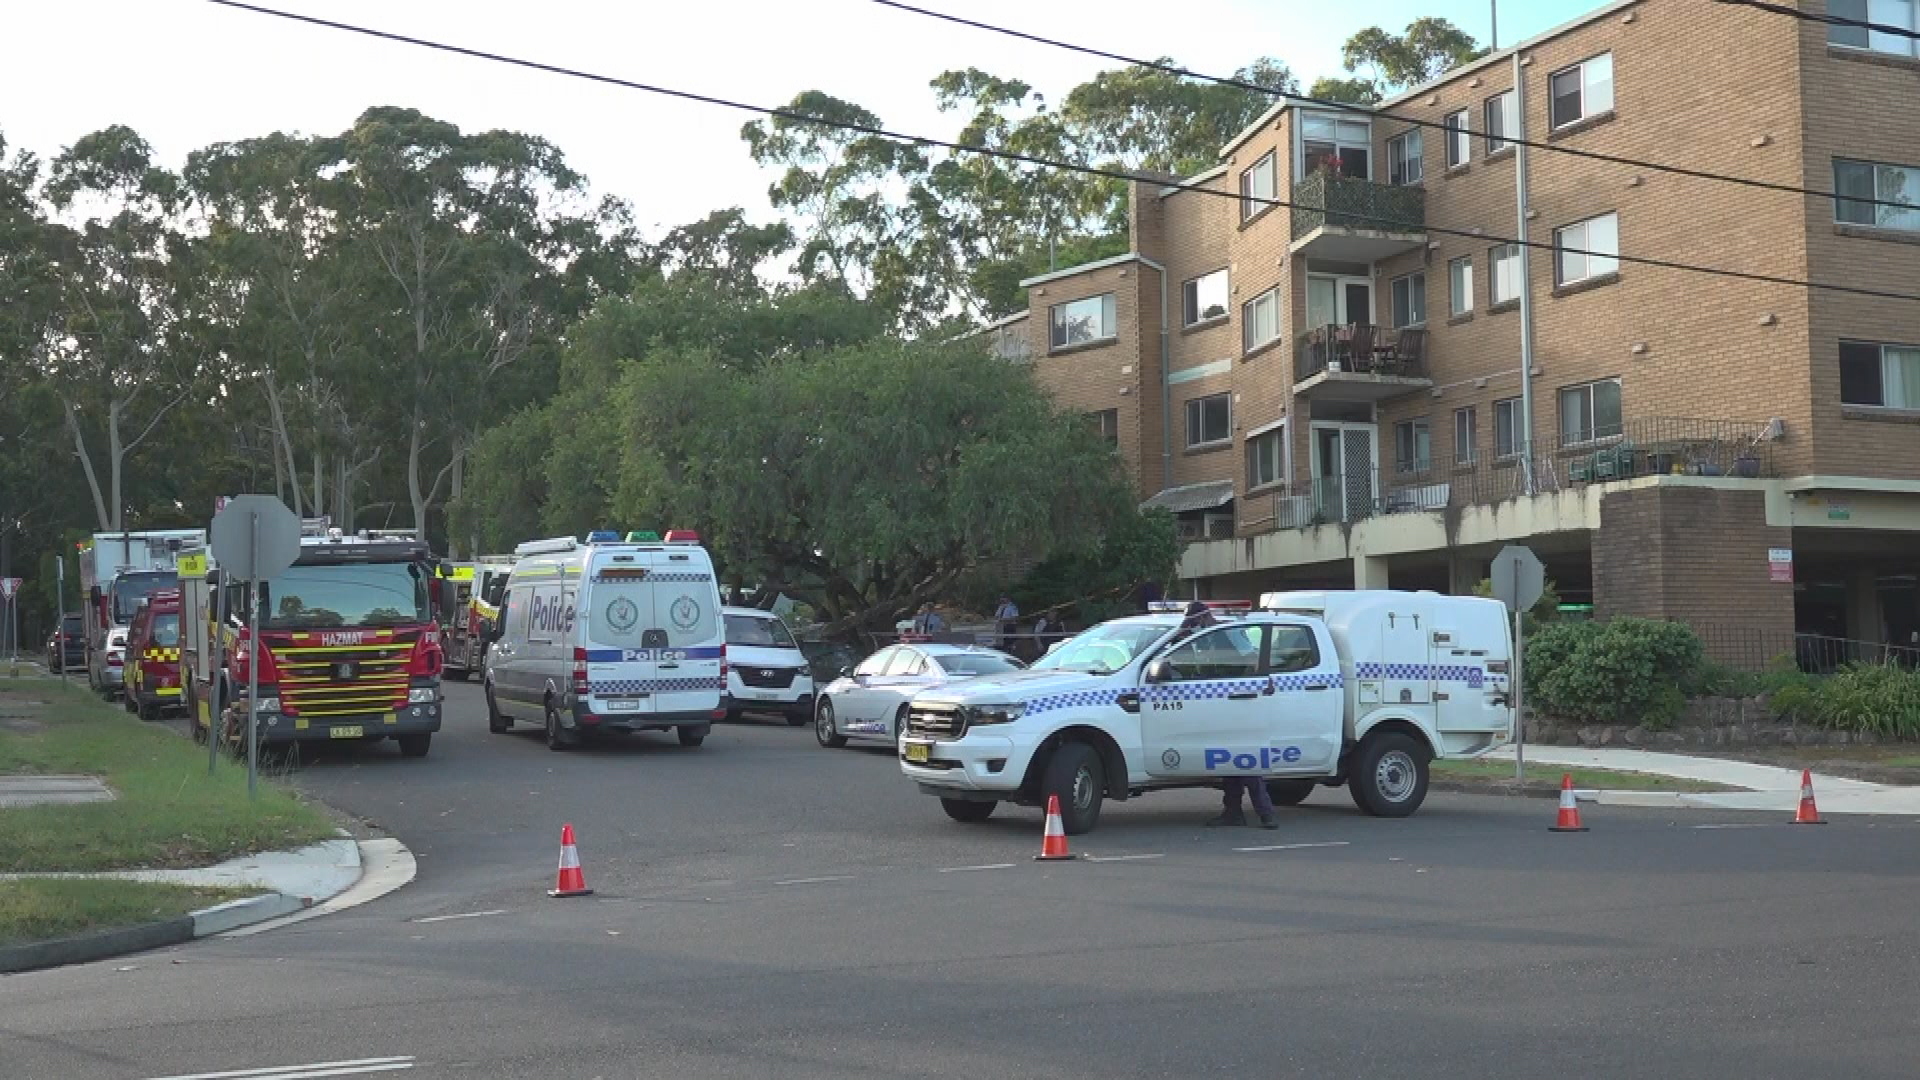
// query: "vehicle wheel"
[[497, 721], [415, 745], [899, 725], [557, 739], [1289, 792], [973, 813], [1077, 777], [733, 716], [149, 714], [692, 736], [193, 713], [796, 719], [1388, 775], [823, 728]]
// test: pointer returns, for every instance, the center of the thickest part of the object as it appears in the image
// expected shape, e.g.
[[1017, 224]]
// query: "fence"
[[1325, 198], [1749, 648]]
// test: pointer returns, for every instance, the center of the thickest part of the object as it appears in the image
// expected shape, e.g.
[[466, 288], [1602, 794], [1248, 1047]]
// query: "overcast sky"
[[185, 73]]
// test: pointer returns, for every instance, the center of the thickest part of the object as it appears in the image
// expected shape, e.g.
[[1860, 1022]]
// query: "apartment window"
[[1883, 375], [1264, 455], [1854, 181], [1260, 320], [1106, 424], [1080, 322], [1901, 14], [1405, 164], [1256, 184], [1412, 446], [1346, 145], [1590, 411], [1503, 121], [1583, 90], [1206, 297], [1409, 300], [1506, 427], [1466, 434], [1209, 419], [1460, 285], [1586, 249], [1459, 139], [1503, 282]]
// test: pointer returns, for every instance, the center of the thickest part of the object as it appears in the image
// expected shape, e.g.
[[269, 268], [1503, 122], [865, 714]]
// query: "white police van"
[[1355, 688], [609, 635]]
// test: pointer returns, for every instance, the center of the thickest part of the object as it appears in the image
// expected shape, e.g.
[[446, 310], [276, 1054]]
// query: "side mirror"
[[843, 672], [1159, 671]]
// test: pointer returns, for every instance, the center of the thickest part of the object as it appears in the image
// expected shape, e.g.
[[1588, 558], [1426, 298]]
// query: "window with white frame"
[[1260, 320], [1106, 424], [1257, 187], [1405, 158], [1589, 411], [1082, 322], [1506, 427], [1460, 285], [1887, 376], [1209, 419], [1412, 446], [1863, 191], [1583, 90], [1330, 141], [1206, 297], [1409, 300], [1586, 249], [1503, 279], [1503, 121], [1898, 14], [1466, 435], [1265, 454], [1459, 138]]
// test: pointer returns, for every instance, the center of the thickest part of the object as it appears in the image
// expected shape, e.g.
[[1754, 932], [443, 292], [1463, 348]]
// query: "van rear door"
[[687, 639], [620, 618]]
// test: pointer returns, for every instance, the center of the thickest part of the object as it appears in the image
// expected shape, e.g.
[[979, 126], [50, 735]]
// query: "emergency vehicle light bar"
[[1218, 607], [682, 536], [603, 536], [547, 547]]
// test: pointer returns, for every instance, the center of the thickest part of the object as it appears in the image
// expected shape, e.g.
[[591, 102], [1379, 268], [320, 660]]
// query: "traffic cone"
[[1808, 814], [1053, 843], [573, 881], [1569, 820]]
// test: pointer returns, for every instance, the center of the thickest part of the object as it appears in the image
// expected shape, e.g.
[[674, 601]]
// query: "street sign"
[[9, 586], [1518, 577], [255, 536], [1780, 565]]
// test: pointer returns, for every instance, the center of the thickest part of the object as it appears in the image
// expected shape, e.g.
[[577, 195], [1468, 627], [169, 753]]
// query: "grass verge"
[[41, 909], [169, 812], [1499, 775]]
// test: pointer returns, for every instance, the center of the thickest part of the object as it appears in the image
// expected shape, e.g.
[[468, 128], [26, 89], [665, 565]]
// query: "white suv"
[[766, 671]]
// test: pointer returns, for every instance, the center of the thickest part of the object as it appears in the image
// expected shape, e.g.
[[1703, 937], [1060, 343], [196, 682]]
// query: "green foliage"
[[1877, 699], [1429, 48], [1544, 610], [1624, 671], [1140, 547], [1353, 91]]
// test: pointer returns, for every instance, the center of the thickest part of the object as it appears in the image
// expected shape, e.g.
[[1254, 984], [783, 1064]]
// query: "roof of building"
[[1098, 264], [1190, 497]]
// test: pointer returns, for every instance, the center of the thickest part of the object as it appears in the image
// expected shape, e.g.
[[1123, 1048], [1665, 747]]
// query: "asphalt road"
[[766, 908]]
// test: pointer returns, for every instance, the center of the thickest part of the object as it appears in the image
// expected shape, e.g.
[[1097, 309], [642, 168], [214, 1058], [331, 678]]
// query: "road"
[[766, 908]]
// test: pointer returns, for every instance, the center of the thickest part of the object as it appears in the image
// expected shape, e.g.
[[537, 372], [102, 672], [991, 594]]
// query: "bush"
[[1623, 671], [1879, 698]]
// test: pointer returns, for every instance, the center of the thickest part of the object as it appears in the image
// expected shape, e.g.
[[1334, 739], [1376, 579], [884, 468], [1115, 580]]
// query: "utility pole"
[[1525, 434], [1493, 38]]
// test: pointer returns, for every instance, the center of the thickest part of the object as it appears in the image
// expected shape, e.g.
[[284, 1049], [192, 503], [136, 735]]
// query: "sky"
[[186, 73]]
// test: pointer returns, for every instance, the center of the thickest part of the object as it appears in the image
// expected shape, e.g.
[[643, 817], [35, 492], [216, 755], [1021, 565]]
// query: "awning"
[[1191, 497]]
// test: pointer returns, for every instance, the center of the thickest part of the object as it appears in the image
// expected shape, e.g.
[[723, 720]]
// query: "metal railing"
[[1749, 648], [1363, 349], [1326, 198]]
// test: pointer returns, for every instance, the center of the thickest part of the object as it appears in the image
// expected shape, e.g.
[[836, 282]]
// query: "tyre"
[[823, 727], [733, 716], [497, 721], [557, 738], [1289, 792], [797, 718], [148, 713], [1077, 777], [415, 745], [692, 736], [192, 702], [899, 726], [965, 810], [1388, 775]]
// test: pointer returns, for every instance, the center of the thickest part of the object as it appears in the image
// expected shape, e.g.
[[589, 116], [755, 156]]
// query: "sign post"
[[10, 592], [254, 537], [1519, 579], [60, 616]]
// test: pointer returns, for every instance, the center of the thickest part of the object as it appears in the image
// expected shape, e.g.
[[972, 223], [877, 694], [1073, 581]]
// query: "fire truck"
[[117, 571], [470, 601], [349, 644]]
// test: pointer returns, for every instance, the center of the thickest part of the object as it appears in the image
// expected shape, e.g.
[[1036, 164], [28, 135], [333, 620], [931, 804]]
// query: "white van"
[[766, 671], [609, 635]]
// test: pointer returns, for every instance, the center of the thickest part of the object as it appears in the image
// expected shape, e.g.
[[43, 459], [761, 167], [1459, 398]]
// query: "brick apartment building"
[[1329, 394]]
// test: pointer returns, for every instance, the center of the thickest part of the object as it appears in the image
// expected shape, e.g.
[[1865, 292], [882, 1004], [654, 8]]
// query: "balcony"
[[1360, 362], [1348, 220]]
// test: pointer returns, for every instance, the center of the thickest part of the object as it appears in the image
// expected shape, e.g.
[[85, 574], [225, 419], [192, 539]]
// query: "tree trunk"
[[319, 503], [86, 466], [283, 448], [417, 496], [115, 512], [454, 543]]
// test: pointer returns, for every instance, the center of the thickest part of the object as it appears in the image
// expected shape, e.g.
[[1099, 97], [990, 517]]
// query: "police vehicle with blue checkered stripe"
[[1361, 689], [609, 635]]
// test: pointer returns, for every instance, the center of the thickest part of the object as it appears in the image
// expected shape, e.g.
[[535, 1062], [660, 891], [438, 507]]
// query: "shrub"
[[1626, 671], [1879, 698]]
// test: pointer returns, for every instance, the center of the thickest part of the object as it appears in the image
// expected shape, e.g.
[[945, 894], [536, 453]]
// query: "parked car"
[[152, 668], [112, 671], [67, 646], [870, 701], [766, 671]]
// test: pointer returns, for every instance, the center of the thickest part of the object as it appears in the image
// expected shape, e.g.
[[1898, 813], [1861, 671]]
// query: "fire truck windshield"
[[347, 594], [130, 589]]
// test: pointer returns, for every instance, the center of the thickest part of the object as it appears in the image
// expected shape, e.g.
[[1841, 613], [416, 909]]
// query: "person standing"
[[929, 623], [1008, 616], [1230, 813]]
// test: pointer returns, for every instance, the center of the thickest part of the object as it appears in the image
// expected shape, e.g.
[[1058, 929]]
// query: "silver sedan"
[[870, 701]]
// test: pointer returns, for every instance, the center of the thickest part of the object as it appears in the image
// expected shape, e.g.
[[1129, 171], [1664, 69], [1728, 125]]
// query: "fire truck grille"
[[343, 680]]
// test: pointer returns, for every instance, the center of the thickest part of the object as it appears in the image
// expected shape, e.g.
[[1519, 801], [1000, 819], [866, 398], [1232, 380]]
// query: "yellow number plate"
[[354, 731], [917, 752]]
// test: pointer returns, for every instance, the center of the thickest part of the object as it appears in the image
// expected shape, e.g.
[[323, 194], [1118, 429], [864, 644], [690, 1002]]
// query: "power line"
[[1829, 20], [1369, 110], [1028, 159]]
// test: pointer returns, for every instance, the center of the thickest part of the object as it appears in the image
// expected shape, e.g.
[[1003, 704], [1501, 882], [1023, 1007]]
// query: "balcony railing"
[[1361, 348], [1327, 199]]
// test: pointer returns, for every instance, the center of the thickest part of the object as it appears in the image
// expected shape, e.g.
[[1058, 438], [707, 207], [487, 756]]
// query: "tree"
[[1428, 49]]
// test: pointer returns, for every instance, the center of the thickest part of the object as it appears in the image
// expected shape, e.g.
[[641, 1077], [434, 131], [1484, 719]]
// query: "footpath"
[[1768, 787]]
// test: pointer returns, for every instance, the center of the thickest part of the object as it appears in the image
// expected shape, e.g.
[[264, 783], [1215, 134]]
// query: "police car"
[[1357, 688]]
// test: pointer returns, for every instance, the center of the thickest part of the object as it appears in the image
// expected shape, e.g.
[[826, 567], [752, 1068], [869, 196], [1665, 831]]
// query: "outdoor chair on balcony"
[[1614, 462], [1355, 350], [1404, 354]]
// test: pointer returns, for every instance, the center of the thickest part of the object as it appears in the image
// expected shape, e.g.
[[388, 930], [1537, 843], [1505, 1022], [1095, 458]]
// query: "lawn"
[[40, 909], [169, 812], [1495, 773]]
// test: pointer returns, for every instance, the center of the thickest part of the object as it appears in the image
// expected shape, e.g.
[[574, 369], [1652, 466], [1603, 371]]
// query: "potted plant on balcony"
[[1747, 465]]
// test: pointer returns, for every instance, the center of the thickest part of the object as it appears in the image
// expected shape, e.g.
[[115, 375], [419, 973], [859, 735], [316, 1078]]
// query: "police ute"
[[608, 635], [1357, 688]]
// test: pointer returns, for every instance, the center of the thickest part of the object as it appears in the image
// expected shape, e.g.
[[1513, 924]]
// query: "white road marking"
[[985, 866], [301, 1072], [1120, 858], [1294, 847], [816, 880], [462, 915], [1737, 825]]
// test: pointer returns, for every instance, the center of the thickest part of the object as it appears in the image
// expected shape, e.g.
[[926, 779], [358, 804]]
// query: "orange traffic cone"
[[1053, 843], [573, 881], [1569, 820], [1808, 814]]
